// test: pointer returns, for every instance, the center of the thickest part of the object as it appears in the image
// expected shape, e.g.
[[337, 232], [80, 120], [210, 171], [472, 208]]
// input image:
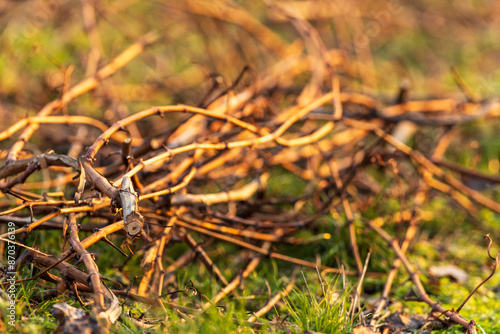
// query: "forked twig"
[[493, 270]]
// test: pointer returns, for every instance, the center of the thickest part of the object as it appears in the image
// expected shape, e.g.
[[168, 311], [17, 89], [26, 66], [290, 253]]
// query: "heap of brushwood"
[[206, 174]]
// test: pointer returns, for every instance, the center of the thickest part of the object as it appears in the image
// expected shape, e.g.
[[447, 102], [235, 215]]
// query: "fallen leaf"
[[362, 330], [450, 270], [73, 320]]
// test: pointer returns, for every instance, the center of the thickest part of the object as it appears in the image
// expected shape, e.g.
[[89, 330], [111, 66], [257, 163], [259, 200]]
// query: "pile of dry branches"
[[154, 189]]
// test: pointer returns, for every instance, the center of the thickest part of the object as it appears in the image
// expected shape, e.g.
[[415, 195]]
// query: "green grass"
[[323, 309]]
